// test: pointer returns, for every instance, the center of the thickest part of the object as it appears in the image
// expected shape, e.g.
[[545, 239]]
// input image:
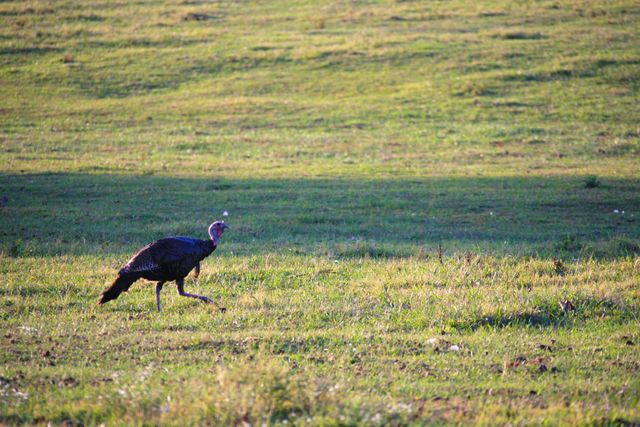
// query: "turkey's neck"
[[214, 239]]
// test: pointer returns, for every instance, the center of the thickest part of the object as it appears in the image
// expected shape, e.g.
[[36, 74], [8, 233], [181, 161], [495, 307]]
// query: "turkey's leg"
[[158, 289], [181, 291], [196, 273]]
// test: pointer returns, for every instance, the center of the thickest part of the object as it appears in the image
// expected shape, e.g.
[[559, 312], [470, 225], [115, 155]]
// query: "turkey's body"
[[162, 261], [168, 259]]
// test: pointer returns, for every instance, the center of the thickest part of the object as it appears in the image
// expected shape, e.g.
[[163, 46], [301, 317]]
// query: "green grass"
[[415, 189]]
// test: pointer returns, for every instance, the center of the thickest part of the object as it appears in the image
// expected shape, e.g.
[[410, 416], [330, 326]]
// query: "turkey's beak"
[[225, 226]]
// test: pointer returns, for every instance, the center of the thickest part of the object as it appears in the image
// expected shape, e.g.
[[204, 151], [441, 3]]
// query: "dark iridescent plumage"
[[169, 259]]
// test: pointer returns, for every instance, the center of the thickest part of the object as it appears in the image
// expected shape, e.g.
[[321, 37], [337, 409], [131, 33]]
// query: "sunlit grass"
[[433, 208]]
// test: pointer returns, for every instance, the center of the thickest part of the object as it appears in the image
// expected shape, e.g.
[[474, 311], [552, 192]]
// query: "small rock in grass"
[[559, 267], [545, 347], [567, 305], [68, 382], [519, 360]]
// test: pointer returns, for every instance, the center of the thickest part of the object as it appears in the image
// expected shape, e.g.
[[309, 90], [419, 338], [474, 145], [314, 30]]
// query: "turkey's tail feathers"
[[122, 284]]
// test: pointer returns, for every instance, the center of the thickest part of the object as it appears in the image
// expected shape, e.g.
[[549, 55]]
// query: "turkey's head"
[[216, 229]]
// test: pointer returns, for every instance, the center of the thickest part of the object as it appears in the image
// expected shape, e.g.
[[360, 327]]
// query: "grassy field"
[[434, 211]]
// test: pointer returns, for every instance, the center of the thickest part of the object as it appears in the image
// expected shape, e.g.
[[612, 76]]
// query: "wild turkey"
[[165, 260]]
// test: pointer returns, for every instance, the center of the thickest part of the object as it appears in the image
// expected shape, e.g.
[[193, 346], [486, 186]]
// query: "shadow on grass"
[[79, 213], [550, 314], [534, 320]]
